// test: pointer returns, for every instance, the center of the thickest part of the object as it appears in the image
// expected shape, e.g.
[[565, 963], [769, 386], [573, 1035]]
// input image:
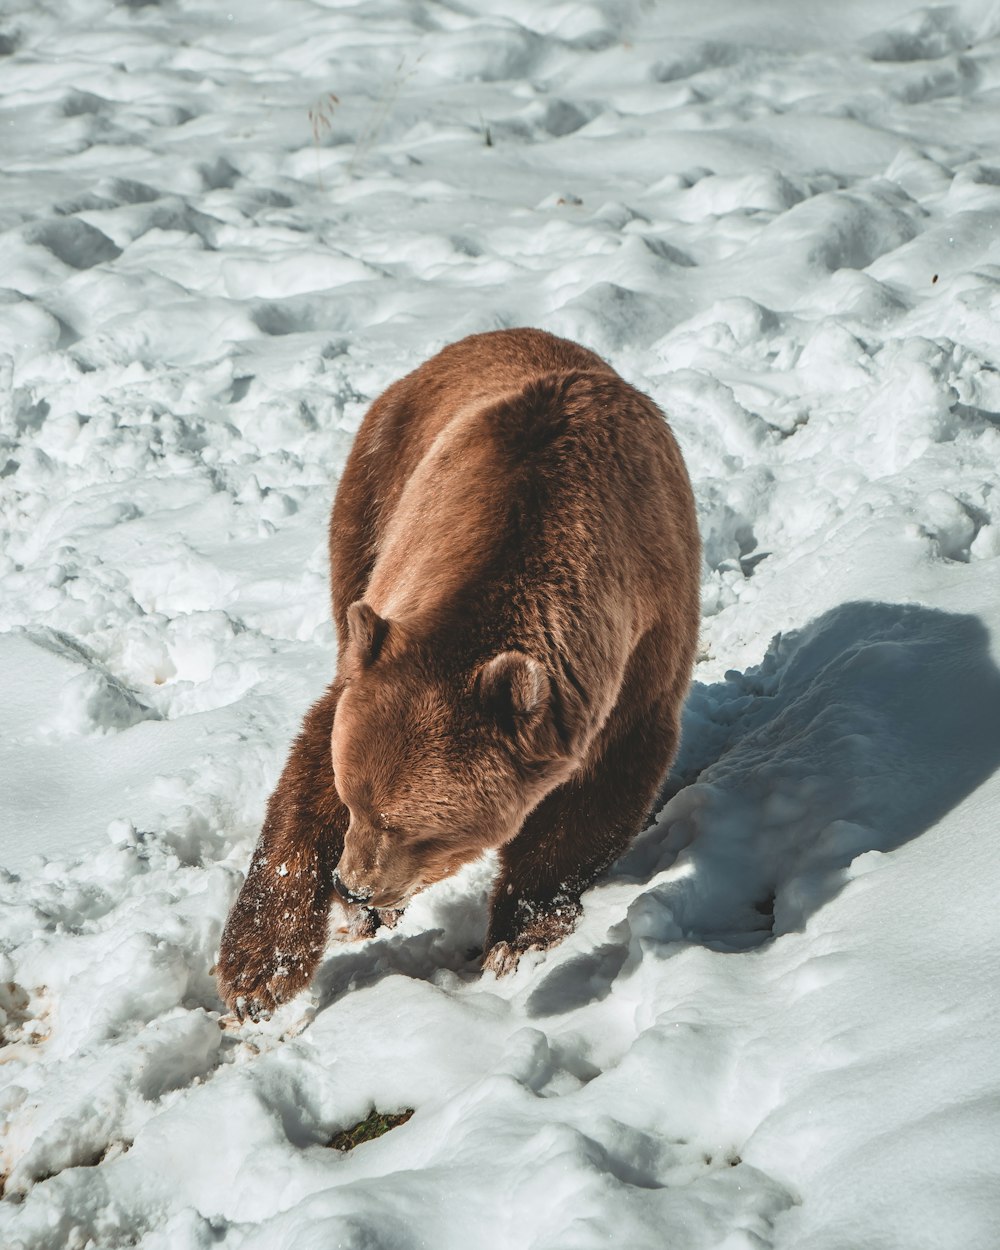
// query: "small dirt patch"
[[373, 1125]]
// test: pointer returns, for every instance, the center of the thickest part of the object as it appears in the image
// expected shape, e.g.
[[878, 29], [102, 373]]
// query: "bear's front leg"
[[277, 929], [572, 836], [535, 900]]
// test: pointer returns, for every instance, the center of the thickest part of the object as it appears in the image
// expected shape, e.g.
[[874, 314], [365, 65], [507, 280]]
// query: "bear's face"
[[434, 773]]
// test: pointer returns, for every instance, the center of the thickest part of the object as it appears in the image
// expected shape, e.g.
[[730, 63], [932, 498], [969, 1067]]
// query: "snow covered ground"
[[221, 234]]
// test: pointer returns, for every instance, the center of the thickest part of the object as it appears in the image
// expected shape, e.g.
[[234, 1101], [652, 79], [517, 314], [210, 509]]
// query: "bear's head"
[[435, 766]]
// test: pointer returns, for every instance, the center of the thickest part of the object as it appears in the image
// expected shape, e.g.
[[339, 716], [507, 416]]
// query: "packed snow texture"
[[222, 233]]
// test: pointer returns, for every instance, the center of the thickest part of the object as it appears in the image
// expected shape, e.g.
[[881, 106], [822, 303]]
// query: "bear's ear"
[[367, 631], [514, 687]]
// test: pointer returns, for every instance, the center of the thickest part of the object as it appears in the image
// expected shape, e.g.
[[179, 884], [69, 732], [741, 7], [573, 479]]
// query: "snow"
[[222, 233]]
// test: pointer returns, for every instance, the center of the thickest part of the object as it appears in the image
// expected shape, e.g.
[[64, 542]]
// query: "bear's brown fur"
[[514, 573]]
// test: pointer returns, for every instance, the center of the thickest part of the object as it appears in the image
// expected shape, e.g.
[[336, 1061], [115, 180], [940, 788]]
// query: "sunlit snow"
[[223, 230]]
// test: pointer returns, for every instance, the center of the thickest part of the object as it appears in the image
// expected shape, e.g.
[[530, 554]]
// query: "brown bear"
[[515, 575]]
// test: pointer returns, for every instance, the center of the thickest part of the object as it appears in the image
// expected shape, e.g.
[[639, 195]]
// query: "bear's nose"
[[348, 895]]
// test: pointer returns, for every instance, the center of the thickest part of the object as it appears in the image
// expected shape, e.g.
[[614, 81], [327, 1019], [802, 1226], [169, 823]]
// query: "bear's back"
[[519, 455]]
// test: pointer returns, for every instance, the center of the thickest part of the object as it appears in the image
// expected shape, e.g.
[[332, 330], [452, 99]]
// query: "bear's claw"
[[502, 958], [251, 999], [537, 934]]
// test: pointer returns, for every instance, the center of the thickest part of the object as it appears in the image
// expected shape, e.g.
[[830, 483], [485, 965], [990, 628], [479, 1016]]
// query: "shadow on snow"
[[855, 734]]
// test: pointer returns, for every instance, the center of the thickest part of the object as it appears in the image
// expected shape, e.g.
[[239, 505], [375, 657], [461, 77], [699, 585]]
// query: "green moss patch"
[[373, 1125]]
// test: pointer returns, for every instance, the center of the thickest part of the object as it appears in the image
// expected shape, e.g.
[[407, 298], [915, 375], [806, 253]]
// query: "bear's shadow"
[[856, 733]]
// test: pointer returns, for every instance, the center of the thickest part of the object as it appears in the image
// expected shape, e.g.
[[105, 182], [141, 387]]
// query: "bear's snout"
[[371, 871], [346, 893], [369, 893]]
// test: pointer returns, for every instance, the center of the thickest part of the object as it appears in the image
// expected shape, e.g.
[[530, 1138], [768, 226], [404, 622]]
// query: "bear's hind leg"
[[573, 835]]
